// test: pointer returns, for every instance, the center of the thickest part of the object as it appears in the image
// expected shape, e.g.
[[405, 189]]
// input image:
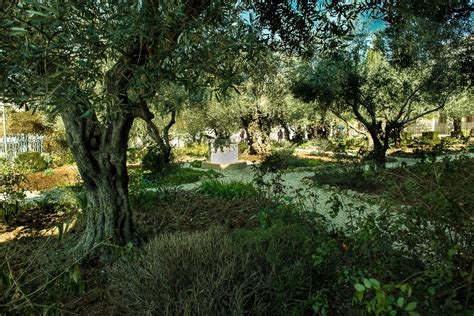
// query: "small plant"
[[11, 188], [270, 181], [386, 299], [31, 162], [196, 163]]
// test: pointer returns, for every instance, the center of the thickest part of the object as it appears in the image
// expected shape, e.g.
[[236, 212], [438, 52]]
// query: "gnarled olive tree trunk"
[[100, 150]]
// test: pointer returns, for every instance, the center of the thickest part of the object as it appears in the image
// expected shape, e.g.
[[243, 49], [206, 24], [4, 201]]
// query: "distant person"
[[280, 135], [242, 135]]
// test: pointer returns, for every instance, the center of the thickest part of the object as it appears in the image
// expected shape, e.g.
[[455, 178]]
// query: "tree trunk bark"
[[286, 132], [379, 153], [163, 142], [379, 147], [100, 151], [457, 127]]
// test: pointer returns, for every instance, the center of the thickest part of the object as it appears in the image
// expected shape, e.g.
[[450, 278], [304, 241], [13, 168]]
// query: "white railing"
[[20, 143]]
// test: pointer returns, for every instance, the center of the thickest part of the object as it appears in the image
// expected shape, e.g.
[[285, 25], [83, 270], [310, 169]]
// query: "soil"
[[41, 181], [35, 221], [193, 212]]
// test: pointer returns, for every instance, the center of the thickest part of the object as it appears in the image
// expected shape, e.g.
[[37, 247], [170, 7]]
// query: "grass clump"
[[228, 190]]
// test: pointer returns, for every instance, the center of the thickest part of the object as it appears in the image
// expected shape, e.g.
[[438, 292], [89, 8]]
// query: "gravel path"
[[297, 186]]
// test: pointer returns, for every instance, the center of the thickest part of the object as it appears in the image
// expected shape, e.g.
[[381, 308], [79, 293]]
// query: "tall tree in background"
[[381, 97]]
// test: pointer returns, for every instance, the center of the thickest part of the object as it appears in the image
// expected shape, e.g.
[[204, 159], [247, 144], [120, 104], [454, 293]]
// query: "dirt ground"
[[41, 181]]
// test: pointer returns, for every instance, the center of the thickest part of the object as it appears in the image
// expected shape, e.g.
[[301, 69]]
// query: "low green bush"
[[201, 273], [196, 150], [13, 196], [430, 136], [56, 145], [31, 162], [228, 190], [63, 158], [196, 163], [296, 262], [353, 176], [156, 161], [258, 271], [175, 175], [282, 159], [243, 148], [283, 144]]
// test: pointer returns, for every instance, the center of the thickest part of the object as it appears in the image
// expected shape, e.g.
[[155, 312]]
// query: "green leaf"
[[18, 30], [75, 272], [375, 283], [86, 114], [359, 296], [33, 13], [452, 252], [431, 291], [411, 306], [413, 314], [400, 301], [359, 287], [367, 283]]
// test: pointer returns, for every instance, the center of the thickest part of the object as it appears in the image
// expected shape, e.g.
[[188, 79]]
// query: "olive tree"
[[99, 65], [382, 98]]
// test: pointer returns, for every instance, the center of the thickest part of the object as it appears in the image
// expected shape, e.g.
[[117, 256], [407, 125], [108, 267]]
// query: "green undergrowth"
[[228, 190], [230, 249], [285, 159], [176, 175], [194, 151]]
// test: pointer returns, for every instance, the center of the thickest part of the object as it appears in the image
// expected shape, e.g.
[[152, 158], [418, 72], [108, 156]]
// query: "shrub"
[[228, 190], [295, 260], [282, 159], [348, 176], [31, 162], [175, 175], [429, 136], [243, 148], [440, 194], [202, 273], [13, 196], [284, 144], [258, 271], [419, 245], [279, 159], [196, 150], [156, 161], [56, 145], [196, 163]]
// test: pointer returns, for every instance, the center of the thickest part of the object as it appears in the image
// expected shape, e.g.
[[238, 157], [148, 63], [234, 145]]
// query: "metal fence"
[[20, 143]]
